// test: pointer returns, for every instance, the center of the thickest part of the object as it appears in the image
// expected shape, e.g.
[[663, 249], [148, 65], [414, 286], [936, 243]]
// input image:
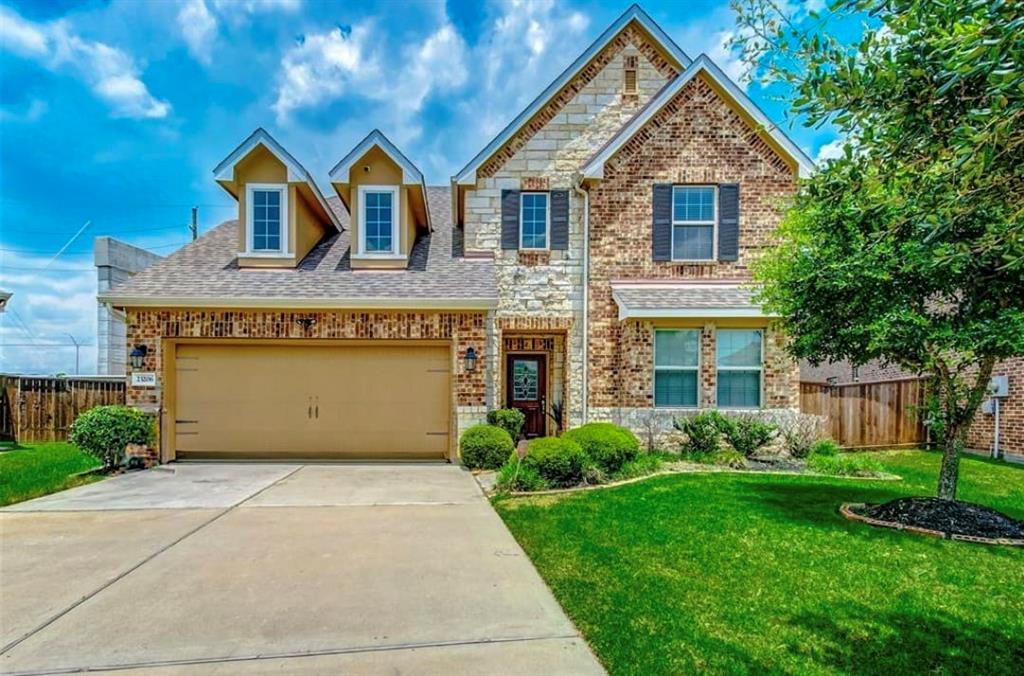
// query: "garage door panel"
[[262, 401]]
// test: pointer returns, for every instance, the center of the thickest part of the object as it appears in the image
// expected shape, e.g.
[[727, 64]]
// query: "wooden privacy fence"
[[40, 408], [864, 415]]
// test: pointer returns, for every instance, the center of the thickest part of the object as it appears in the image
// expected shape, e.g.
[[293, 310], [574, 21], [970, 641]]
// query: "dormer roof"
[[410, 174], [224, 173]]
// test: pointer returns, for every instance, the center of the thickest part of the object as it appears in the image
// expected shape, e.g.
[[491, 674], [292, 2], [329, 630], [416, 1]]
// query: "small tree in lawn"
[[907, 247]]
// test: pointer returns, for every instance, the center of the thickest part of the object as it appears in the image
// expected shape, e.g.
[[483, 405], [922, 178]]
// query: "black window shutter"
[[661, 208], [559, 220], [728, 222], [509, 219]]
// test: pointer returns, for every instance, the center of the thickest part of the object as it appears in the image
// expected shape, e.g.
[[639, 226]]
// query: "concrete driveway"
[[260, 568]]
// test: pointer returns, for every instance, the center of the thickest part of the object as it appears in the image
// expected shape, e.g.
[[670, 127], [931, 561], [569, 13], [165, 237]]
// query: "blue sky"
[[115, 113]]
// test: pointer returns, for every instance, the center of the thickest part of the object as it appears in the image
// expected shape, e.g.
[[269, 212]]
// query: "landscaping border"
[[696, 469], [846, 509]]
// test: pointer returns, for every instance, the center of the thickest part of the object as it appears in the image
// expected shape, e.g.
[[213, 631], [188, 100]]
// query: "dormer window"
[[378, 234], [266, 209]]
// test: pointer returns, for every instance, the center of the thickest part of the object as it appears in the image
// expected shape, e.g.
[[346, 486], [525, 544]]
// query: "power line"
[[36, 269]]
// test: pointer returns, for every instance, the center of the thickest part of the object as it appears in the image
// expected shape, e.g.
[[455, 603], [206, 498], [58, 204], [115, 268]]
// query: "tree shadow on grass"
[[812, 502], [856, 639]]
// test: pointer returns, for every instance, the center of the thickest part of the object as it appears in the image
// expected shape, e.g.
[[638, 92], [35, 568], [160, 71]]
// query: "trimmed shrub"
[[747, 434], [844, 464], [608, 445], [516, 475], [509, 419], [485, 447], [703, 432], [825, 447], [558, 461], [105, 431]]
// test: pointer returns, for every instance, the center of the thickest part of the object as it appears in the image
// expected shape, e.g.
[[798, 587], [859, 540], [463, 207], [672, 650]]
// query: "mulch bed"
[[944, 518]]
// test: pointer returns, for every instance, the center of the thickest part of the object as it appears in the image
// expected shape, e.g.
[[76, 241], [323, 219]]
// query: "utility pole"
[[195, 223], [77, 346]]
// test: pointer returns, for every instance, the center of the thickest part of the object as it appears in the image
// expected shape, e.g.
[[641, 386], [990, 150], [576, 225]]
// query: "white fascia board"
[[467, 176], [410, 174], [225, 171], [368, 303], [594, 169]]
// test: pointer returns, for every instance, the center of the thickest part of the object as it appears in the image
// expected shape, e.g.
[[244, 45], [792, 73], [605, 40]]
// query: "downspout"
[[577, 187]]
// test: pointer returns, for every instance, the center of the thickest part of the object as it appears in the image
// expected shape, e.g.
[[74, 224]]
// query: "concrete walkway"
[[225, 569]]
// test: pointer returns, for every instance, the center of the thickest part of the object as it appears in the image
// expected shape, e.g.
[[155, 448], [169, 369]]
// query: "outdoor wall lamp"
[[137, 355], [470, 359]]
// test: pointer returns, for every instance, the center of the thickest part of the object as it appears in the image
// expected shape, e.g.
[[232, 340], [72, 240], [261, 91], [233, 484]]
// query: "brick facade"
[[545, 154], [464, 329], [697, 138]]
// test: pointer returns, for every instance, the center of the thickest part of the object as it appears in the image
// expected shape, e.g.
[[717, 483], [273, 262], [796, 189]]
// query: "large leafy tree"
[[908, 247]]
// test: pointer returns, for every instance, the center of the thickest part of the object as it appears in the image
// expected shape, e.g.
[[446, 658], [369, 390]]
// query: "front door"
[[526, 390]]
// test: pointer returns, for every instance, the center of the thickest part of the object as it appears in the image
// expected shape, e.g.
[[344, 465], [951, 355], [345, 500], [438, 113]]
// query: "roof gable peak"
[[634, 13]]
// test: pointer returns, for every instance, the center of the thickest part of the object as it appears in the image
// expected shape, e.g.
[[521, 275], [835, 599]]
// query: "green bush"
[[105, 431], [608, 445], [800, 432], [558, 461], [485, 447], [747, 434], [825, 447], [844, 464], [516, 475], [703, 432], [509, 419]]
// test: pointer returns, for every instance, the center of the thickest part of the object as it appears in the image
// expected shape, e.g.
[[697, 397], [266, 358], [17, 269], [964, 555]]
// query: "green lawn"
[[744, 573], [32, 470]]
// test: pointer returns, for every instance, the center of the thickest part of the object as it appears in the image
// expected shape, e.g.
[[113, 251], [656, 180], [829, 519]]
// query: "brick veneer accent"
[[152, 327], [630, 35], [528, 323], [697, 138], [535, 183]]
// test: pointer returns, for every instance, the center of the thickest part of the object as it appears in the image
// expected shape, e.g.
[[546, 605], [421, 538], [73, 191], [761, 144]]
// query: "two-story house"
[[590, 263]]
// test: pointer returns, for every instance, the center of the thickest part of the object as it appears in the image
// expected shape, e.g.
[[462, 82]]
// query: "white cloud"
[[324, 67], [110, 73], [727, 58], [255, 6], [198, 28], [830, 151]]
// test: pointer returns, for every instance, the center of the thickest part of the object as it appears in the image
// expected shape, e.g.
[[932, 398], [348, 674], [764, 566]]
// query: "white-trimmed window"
[[740, 362], [694, 222], [266, 218], [378, 223], [534, 220], [676, 367]]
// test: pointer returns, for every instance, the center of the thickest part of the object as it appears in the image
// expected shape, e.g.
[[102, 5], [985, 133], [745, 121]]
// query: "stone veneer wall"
[[545, 155], [696, 138], [464, 329]]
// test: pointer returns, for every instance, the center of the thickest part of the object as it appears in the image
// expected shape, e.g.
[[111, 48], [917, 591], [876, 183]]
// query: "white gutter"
[[376, 303], [119, 315], [586, 294]]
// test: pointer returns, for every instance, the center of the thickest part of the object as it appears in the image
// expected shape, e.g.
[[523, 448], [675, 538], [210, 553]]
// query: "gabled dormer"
[[281, 212], [386, 198]]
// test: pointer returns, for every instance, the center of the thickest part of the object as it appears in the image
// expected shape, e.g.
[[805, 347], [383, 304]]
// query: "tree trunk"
[[949, 473]]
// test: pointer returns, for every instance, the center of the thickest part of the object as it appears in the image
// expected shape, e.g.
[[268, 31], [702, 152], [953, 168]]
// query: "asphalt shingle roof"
[[692, 296], [208, 269]]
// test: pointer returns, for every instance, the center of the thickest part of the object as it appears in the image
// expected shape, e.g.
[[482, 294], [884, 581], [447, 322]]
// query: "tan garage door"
[[312, 401]]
